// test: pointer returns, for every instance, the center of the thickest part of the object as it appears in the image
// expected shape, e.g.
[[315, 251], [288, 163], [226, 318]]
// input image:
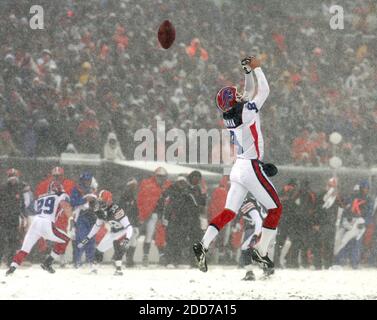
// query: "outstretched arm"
[[249, 89], [95, 228], [263, 88]]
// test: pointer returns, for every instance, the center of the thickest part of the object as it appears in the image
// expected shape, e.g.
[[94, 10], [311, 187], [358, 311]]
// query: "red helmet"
[[106, 197], [57, 171], [226, 98], [55, 187]]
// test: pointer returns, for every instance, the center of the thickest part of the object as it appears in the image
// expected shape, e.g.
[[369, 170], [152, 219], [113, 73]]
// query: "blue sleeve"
[[76, 198], [369, 212]]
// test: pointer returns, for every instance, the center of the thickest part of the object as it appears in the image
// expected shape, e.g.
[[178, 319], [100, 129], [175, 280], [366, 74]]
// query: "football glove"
[[245, 63], [83, 243]]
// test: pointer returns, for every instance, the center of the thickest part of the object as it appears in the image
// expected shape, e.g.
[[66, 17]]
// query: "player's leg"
[[264, 192], [80, 235], [119, 251], [235, 197], [149, 233], [234, 200], [132, 248], [62, 225], [31, 237], [105, 244], [61, 239]]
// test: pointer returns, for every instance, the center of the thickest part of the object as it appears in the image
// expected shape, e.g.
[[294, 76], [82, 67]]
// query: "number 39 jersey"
[[48, 205]]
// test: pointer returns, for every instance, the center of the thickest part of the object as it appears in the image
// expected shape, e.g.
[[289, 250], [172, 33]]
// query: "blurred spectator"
[[96, 65], [302, 234], [7, 146], [88, 132], [288, 223], [112, 150], [182, 218], [348, 247], [324, 226], [12, 213], [150, 191]]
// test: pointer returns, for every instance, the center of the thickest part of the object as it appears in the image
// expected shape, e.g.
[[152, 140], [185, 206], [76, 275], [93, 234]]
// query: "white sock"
[[249, 267], [265, 240], [54, 255], [118, 263], [208, 237]]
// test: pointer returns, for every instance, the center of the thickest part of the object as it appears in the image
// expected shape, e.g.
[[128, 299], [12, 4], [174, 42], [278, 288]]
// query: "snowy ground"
[[161, 283]]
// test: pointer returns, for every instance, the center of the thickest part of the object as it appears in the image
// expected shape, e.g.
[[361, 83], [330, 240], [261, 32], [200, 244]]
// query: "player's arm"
[[95, 228], [92, 233], [66, 206], [263, 88], [249, 87]]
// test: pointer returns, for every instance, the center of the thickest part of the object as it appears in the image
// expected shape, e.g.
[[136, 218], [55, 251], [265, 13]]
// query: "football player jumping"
[[249, 173]]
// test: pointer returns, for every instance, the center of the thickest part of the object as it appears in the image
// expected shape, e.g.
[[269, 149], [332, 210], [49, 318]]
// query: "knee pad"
[[222, 219]]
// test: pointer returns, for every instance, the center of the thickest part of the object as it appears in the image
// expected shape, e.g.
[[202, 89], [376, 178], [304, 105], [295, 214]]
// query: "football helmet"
[[226, 98], [57, 171], [105, 198], [55, 187]]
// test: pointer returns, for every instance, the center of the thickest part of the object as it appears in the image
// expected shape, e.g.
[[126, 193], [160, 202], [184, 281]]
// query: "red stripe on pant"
[[222, 219], [273, 215], [59, 248]]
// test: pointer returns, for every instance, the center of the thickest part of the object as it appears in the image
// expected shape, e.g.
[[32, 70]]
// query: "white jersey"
[[243, 119], [48, 205]]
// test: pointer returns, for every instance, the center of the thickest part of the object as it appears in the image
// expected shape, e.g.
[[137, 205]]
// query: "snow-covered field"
[[161, 283]]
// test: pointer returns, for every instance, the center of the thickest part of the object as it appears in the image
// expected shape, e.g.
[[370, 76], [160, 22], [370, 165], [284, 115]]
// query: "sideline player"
[[249, 174], [118, 237], [49, 207]]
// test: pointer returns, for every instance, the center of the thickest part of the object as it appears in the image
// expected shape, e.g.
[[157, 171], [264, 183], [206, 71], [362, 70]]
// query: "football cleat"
[[264, 262], [48, 268], [250, 276], [10, 271], [200, 255], [118, 271]]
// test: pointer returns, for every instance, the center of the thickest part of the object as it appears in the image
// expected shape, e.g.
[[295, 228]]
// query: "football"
[[166, 34]]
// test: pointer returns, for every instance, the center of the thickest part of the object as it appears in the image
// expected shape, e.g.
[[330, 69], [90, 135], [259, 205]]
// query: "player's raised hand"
[[250, 63], [254, 63], [245, 63]]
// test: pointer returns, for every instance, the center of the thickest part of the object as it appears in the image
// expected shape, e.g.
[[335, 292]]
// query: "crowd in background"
[[318, 230], [96, 74]]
